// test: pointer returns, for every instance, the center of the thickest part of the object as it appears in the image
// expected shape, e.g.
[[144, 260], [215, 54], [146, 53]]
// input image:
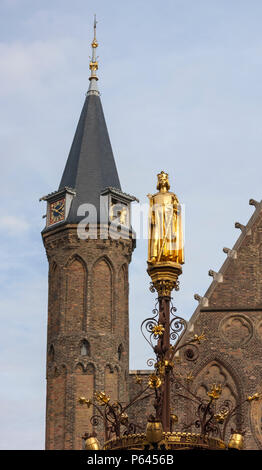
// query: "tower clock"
[[58, 205]]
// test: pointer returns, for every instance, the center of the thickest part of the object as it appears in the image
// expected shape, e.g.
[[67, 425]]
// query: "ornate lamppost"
[[165, 257], [165, 332]]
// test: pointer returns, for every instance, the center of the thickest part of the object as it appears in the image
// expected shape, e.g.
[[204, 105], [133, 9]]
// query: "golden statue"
[[123, 216], [165, 241]]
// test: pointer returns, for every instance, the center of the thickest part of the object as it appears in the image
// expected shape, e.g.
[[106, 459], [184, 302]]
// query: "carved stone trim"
[[236, 330]]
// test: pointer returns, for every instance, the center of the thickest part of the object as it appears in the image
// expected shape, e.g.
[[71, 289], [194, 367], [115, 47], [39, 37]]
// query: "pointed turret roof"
[[90, 166]]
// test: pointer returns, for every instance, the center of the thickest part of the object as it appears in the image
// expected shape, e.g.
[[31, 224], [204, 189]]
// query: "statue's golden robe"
[[165, 229]]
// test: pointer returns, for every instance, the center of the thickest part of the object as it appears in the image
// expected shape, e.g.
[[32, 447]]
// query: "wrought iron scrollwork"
[[177, 326], [148, 327]]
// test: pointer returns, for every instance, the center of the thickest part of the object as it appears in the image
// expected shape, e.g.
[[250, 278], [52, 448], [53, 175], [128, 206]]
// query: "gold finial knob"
[[154, 431], [236, 441], [91, 443]]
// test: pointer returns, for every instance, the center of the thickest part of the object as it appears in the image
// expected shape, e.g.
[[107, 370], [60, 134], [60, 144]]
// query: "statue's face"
[[162, 179]]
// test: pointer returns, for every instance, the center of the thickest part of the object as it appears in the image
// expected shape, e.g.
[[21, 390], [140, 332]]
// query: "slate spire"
[[90, 166]]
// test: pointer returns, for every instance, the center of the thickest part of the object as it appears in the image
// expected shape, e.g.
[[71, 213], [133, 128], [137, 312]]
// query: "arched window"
[[120, 351], [51, 353], [85, 348], [122, 311], [76, 277], [102, 291]]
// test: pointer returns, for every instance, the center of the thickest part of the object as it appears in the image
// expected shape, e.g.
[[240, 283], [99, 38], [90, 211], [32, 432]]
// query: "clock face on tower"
[[57, 211]]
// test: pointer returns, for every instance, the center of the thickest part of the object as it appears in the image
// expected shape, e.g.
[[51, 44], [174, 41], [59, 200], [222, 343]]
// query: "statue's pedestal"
[[164, 276]]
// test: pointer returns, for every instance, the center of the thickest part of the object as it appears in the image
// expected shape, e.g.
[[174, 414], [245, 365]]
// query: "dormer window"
[[117, 207], [119, 212]]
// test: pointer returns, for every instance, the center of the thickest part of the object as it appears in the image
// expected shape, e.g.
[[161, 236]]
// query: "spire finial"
[[93, 65]]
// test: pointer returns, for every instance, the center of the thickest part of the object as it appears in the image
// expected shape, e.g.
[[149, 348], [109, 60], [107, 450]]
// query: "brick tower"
[[88, 337]]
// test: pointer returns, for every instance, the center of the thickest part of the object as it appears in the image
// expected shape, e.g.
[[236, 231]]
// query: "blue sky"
[[180, 84]]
